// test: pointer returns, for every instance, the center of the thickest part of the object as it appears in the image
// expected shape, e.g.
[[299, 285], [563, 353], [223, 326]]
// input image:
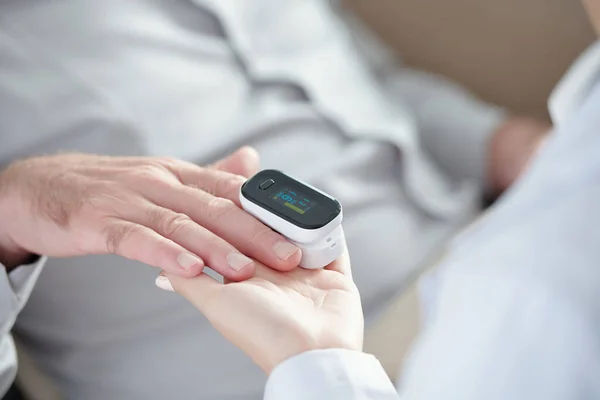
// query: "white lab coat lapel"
[[576, 85]]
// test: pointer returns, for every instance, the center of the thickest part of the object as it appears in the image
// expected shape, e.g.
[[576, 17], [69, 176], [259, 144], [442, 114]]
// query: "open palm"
[[274, 316]]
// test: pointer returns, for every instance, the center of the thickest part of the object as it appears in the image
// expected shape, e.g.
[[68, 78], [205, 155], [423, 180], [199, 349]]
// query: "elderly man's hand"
[[166, 213]]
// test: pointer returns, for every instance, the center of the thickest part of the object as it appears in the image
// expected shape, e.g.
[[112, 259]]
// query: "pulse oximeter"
[[308, 217]]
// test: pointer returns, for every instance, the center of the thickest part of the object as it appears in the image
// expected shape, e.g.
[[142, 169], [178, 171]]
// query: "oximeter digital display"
[[295, 200], [308, 217]]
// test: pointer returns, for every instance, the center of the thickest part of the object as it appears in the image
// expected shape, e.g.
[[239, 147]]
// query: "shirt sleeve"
[[15, 288], [333, 374], [455, 127]]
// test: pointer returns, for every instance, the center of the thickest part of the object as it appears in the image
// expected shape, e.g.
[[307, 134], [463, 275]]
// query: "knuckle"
[[199, 186], [219, 207], [115, 235], [169, 161], [229, 184], [215, 242], [176, 166], [172, 166], [260, 233], [150, 174], [170, 223]]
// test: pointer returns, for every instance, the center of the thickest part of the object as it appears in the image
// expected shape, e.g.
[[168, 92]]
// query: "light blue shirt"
[[516, 314]]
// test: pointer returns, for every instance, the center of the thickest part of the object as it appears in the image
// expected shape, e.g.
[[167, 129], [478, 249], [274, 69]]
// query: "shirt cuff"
[[15, 288], [330, 374]]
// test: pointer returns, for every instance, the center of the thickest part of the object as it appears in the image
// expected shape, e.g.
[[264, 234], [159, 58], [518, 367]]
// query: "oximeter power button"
[[266, 184]]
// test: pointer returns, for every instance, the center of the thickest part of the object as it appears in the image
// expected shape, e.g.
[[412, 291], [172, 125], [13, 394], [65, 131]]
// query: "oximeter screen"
[[294, 200], [291, 200]]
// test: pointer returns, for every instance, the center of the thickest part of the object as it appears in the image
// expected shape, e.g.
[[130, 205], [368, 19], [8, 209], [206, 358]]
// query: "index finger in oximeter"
[[308, 217]]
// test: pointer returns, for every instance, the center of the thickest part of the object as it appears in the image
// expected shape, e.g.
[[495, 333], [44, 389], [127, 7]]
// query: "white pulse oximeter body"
[[309, 218]]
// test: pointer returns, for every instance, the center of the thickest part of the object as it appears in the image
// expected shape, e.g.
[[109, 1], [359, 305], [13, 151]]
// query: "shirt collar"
[[575, 86]]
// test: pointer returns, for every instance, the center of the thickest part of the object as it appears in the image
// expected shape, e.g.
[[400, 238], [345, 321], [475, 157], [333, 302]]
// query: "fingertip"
[[164, 283], [288, 256], [245, 162], [251, 161], [250, 151], [191, 272], [243, 274], [291, 263], [296, 258], [195, 270], [189, 265]]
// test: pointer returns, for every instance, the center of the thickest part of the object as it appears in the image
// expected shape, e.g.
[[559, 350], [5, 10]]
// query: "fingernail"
[[238, 261], [284, 250], [164, 283], [187, 261]]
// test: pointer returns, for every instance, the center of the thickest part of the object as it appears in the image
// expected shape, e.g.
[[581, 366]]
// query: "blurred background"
[[510, 52]]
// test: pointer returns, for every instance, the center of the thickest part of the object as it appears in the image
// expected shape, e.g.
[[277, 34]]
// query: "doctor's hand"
[[167, 213], [277, 315]]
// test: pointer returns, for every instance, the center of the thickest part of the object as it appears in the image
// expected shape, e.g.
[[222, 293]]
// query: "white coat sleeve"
[[333, 374]]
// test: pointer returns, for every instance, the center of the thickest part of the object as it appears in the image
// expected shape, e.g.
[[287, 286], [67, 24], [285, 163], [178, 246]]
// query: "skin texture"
[[166, 213], [274, 316]]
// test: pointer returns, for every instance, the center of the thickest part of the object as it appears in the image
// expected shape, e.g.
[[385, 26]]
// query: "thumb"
[[200, 290], [245, 162]]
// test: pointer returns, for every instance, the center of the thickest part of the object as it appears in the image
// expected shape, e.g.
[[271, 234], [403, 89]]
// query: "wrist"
[[303, 345], [11, 254]]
